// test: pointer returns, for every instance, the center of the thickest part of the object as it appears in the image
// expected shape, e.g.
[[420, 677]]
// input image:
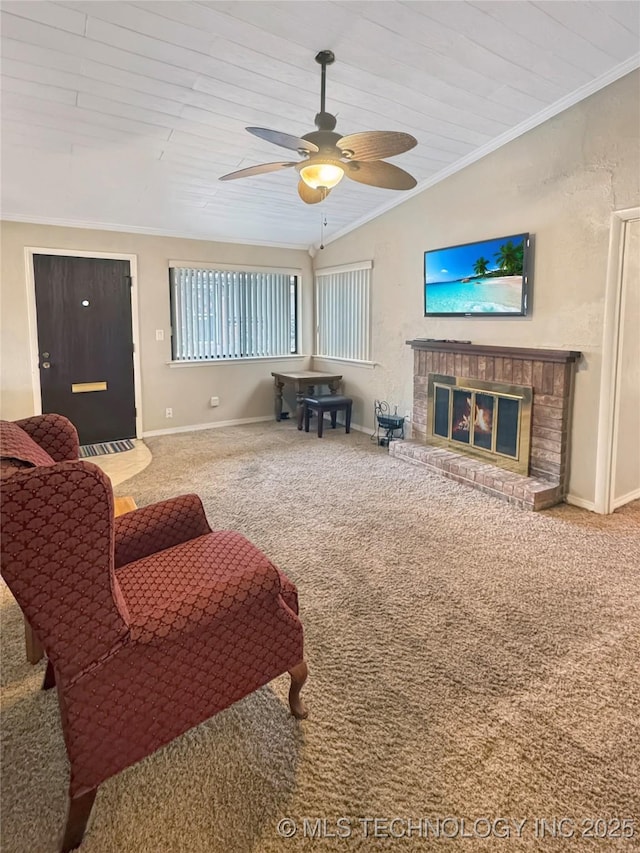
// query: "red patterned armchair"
[[151, 622]]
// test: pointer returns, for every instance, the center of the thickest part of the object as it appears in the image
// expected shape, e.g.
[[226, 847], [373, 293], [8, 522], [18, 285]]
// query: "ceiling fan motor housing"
[[326, 141], [325, 121]]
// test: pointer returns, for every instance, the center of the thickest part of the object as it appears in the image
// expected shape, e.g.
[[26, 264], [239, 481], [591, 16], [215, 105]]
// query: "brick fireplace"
[[544, 376]]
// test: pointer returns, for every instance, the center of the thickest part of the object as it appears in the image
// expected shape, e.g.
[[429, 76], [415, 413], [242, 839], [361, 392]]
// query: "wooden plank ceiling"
[[124, 115]]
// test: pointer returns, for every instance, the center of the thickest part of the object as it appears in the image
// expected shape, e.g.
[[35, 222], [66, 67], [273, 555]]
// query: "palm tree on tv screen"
[[510, 258], [481, 266]]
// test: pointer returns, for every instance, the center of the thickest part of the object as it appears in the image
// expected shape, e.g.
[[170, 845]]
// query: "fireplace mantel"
[[559, 356]]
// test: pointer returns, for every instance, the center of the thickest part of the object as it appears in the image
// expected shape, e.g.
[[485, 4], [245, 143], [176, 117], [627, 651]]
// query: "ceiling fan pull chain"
[[323, 223]]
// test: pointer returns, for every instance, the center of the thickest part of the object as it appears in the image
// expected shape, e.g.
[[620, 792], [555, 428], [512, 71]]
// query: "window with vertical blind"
[[343, 312], [230, 314]]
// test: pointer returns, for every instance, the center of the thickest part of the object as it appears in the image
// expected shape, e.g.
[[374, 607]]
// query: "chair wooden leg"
[[347, 419], [33, 645], [77, 818], [298, 677], [49, 680]]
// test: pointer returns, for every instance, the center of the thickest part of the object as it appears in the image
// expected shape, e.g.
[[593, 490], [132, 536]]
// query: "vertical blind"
[[343, 318], [230, 314]]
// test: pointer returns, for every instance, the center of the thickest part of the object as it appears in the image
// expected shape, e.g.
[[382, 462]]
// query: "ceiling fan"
[[329, 156]]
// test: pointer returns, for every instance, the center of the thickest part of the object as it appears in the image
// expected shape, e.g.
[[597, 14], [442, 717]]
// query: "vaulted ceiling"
[[124, 115]]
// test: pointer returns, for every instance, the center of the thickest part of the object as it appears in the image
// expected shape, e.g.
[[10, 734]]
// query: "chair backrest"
[[57, 559], [54, 433]]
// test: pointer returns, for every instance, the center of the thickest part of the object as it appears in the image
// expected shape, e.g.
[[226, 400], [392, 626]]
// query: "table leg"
[[333, 387], [277, 388], [300, 395]]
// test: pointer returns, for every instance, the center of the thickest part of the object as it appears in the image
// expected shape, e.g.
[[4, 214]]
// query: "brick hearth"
[[550, 375]]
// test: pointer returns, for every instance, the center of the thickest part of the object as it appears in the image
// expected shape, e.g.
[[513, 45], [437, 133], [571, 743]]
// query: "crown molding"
[[554, 109], [136, 229]]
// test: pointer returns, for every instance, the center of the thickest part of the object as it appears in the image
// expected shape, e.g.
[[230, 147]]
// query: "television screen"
[[484, 279]]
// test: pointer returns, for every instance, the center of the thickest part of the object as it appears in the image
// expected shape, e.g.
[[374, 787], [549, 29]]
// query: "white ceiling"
[[124, 115]]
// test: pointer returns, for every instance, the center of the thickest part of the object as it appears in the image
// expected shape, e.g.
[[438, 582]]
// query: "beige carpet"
[[468, 660]]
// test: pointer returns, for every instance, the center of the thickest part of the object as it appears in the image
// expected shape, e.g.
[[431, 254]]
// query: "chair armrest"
[[55, 434], [157, 527]]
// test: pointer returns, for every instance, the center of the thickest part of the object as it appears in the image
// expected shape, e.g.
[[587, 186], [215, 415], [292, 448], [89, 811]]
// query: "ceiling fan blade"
[[256, 170], [311, 196], [376, 144], [285, 140], [380, 174]]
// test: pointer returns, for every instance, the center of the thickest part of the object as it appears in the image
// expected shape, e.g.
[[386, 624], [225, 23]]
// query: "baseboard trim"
[[352, 426], [360, 428], [237, 422], [625, 499], [581, 502], [198, 427], [590, 505]]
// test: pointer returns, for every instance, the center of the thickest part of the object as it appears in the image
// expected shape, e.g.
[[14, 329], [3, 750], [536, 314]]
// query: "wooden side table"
[[304, 382]]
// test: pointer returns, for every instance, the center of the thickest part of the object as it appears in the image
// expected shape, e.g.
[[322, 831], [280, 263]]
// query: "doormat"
[[105, 447]]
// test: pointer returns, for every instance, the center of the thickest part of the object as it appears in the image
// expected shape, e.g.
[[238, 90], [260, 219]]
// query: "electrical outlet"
[[159, 334], [168, 413], [215, 401]]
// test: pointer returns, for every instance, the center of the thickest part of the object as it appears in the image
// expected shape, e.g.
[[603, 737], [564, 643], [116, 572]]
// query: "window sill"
[[367, 365], [207, 362]]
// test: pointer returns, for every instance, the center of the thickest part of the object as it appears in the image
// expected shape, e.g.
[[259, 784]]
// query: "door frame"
[[29, 252], [609, 407]]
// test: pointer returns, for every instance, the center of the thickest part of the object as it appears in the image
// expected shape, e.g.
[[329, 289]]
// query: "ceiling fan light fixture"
[[322, 175]]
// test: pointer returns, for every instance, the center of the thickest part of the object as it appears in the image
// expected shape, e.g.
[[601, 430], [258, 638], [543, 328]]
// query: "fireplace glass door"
[[481, 418]]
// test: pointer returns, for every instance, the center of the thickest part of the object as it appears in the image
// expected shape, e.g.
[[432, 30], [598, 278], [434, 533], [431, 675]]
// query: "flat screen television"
[[484, 279]]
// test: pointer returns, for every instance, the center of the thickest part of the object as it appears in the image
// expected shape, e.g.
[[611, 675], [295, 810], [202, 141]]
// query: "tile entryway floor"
[[122, 466]]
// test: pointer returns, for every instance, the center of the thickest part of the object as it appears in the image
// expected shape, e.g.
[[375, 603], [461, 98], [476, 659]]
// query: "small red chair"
[[152, 622]]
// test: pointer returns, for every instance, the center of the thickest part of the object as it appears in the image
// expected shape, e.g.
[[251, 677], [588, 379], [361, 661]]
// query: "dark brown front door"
[[85, 344]]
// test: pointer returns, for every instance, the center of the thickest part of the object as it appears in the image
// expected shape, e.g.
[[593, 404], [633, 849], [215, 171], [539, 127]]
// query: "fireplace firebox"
[[488, 420]]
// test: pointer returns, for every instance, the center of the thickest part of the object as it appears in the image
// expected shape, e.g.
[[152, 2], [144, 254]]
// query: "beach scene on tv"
[[477, 278]]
